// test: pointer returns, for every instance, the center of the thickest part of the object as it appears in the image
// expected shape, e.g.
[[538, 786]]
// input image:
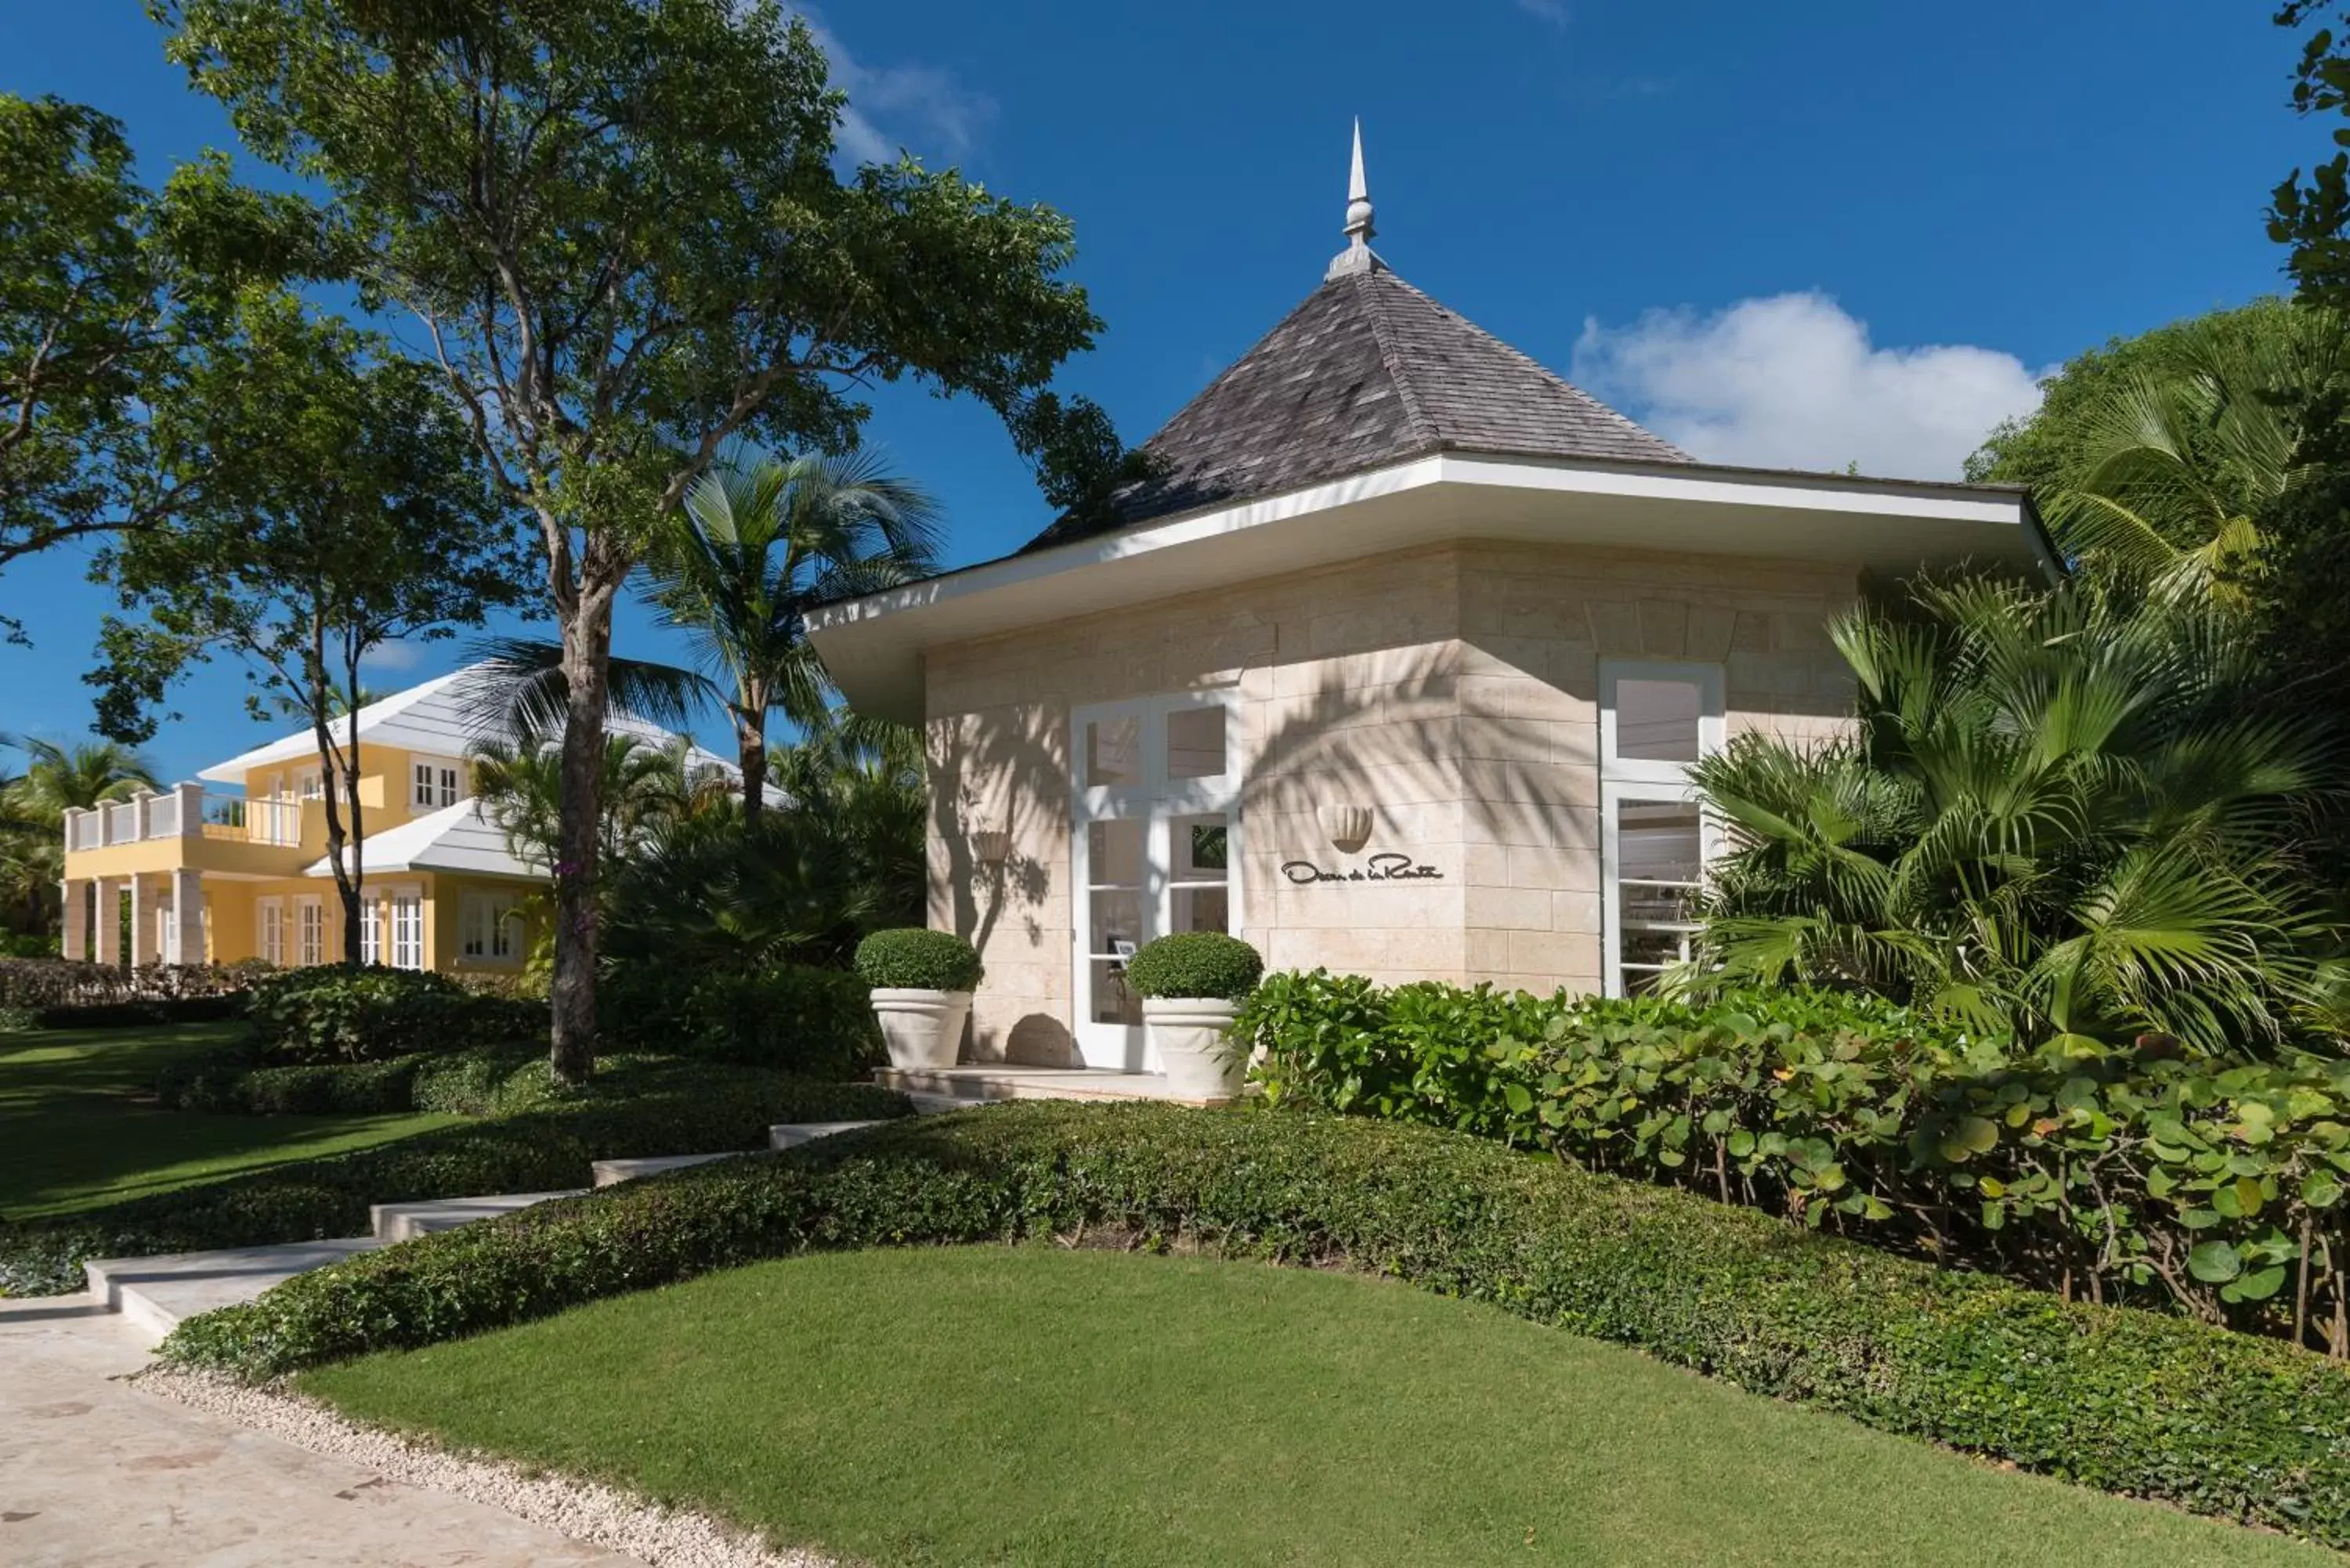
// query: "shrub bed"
[[43, 982], [795, 1018], [2214, 1186], [486, 1081], [332, 1012], [632, 1107], [2133, 1402]]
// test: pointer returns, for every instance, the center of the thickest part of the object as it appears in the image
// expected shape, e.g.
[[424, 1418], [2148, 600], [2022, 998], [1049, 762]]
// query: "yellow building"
[[234, 865]]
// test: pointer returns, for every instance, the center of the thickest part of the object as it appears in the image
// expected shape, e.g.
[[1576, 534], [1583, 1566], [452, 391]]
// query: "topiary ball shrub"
[[1195, 964], [915, 960]]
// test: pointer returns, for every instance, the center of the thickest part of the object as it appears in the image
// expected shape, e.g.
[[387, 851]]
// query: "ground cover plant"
[[928, 1421], [2127, 1401], [80, 1125], [2214, 1186], [634, 1106]]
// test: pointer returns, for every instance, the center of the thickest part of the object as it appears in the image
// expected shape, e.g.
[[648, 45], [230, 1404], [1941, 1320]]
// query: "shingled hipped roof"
[[1366, 372]]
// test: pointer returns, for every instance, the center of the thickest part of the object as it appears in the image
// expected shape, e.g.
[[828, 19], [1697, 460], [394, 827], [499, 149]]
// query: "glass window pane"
[[1656, 721], [1195, 744], [1113, 1001], [1657, 841], [1114, 849], [1654, 949], [1113, 752], [1203, 908], [1116, 923], [1202, 846]]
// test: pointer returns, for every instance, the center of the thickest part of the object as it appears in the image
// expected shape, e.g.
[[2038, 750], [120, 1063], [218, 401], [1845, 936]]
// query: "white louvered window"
[[271, 937], [310, 932], [408, 929], [487, 925]]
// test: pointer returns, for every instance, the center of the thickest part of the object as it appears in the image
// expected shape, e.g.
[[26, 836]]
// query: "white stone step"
[[610, 1172], [791, 1135], [936, 1089], [406, 1221], [154, 1293]]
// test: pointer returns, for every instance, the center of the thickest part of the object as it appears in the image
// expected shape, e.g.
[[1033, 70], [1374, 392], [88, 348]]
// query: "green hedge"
[[1200, 964], [162, 1011], [912, 959], [796, 1018], [632, 1109], [333, 1013], [486, 1081], [2129, 1401], [2215, 1187]]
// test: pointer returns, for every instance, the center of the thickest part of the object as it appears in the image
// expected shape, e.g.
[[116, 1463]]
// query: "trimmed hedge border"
[[2129, 1401], [645, 1109]]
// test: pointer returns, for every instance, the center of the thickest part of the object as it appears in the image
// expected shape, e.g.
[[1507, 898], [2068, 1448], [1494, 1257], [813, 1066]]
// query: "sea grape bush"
[[2134, 1174]]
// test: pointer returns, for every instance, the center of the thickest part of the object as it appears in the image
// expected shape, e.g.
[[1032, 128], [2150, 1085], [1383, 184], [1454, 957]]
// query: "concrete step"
[[406, 1221], [154, 1293], [791, 1135], [934, 1089], [611, 1173]]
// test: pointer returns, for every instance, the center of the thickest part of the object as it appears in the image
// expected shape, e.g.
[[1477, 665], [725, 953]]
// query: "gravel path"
[[582, 1510]]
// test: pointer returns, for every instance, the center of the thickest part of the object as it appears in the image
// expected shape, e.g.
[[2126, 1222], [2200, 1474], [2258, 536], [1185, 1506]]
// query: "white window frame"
[[434, 783], [309, 929], [1635, 780], [1159, 801], [370, 927], [310, 786], [269, 930], [406, 947], [484, 929]]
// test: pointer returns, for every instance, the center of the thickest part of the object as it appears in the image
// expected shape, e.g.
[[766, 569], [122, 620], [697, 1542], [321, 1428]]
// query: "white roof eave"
[[873, 646]]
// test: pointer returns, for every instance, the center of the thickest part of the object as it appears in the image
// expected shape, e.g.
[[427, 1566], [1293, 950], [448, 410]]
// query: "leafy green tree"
[[2062, 813], [110, 296], [357, 514], [617, 226], [644, 789]]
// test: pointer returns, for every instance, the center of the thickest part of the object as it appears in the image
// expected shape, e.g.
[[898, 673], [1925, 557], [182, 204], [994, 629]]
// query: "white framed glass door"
[[1655, 838], [1154, 848]]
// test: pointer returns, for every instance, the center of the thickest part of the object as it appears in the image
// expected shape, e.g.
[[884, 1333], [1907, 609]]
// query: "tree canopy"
[[618, 227], [113, 302]]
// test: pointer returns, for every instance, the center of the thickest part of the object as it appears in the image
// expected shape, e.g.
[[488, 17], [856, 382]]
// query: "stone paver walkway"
[[94, 1474]]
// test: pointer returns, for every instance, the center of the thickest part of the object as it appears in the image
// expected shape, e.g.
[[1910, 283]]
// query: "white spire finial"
[[1357, 257]]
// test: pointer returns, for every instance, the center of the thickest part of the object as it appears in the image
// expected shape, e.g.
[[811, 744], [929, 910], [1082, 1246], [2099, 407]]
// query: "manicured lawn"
[[1033, 1405], [78, 1125]]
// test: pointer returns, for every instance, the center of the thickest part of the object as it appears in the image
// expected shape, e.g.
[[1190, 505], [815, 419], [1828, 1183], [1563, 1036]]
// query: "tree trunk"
[[750, 755], [587, 651]]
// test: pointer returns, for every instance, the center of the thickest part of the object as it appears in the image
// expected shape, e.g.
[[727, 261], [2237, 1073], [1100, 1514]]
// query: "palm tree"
[[60, 777], [756, 547], [2175, 464], [2062, 813], [646, 789]]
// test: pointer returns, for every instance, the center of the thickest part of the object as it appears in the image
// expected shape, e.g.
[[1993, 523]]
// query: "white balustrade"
[[122, 822], [163, 817]]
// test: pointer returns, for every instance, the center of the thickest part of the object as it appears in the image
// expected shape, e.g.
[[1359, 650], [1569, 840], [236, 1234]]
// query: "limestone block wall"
[[1452, 689]]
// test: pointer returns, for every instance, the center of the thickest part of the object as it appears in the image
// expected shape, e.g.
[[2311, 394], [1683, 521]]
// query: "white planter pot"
[[1189, 1034], [922, 1028]]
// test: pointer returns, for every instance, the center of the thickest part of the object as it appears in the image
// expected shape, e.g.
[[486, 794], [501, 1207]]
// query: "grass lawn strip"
[[1044, 1407], [80, 1128]]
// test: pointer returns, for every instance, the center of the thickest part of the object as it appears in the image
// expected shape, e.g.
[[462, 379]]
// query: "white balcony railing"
[[186, 811]]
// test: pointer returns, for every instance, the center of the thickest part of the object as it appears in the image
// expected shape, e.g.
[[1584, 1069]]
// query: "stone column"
[[109, 917], [140, 799], [187, 917], [74, 896], [191, 809], [143, 917]]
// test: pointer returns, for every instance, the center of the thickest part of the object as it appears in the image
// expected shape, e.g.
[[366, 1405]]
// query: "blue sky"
[[1798, 235]]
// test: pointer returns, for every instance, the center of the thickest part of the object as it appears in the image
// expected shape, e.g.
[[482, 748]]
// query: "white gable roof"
[[454, 838], [434, 718]]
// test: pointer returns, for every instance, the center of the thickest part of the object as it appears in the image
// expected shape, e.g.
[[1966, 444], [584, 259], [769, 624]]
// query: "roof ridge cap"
[[1420, 423], [1515, 352]]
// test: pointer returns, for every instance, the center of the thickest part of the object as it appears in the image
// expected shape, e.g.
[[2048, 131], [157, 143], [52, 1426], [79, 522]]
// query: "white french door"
[[1155, 848]]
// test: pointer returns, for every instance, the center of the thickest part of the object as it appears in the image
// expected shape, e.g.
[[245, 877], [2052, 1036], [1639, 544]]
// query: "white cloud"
[[1793, 382], [921, 108], [1550, 12], [394, 656]]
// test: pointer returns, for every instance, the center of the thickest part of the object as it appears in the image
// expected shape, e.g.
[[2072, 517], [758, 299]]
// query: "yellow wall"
[[233, 925]]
